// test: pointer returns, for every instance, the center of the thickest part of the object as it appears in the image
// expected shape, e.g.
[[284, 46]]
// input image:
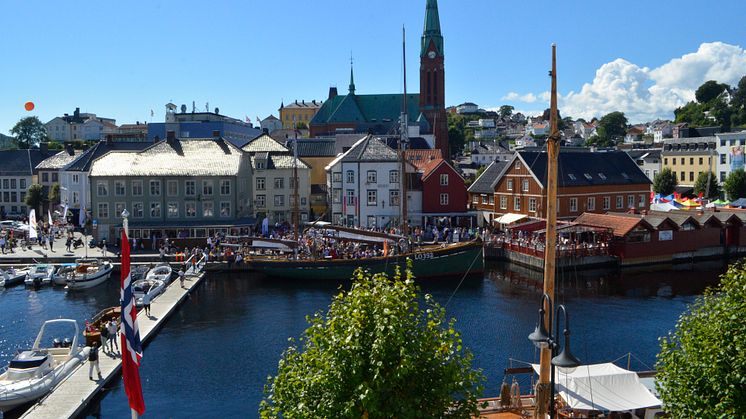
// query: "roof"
[[303, 104], [277, 161], [59, 160], [21, 162], [270, 118], [432, 165], [421, 158], [415, 143], [485, 183], [313, 147], [586, 168], [193, 157], [620, 225], [365, 108], [264, 143], [370, 148], [83, 161]]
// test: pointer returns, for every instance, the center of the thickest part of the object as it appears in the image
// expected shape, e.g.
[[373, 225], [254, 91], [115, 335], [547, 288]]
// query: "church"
[[379, 114]]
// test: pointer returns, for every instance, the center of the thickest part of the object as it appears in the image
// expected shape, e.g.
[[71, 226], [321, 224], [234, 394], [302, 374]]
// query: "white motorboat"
[[11, 276], [33, 373], [39, 274], [60, 275], [150, 287], [88, 274], [162, 272]]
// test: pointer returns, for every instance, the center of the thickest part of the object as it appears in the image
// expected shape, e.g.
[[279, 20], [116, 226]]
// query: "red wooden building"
[[443, 191]]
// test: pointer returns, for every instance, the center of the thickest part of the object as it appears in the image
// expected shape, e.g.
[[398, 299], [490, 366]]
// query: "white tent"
[[510, 218], [603, 387], [663, 206]]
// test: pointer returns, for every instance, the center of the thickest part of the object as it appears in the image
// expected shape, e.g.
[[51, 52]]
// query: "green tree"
[[612, 127], [597, 141], [376, 353], [709, 91], [54, 194], [701, 366], [505, 111], [735, 185], [35, 196], [301, 125], [665, 182], [709, 190], [29, 132]]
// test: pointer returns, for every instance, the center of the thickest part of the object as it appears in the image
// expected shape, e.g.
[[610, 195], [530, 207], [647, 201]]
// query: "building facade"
[[443, 192], [298, 114], [730, 149], [203, 125], [688, 157], [17, 173], [80, 127], [274, 187]]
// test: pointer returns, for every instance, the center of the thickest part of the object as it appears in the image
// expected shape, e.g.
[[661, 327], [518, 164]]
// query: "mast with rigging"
[[403, 139]]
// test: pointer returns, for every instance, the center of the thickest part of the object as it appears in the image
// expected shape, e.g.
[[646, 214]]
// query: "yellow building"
[[317, 154], [688, 157], [296, 113]]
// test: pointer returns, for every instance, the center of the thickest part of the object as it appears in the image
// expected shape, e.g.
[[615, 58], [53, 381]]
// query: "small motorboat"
[[88, 274], [92, 331], [65, 269], [162, 272], [11, 276], [149, 287], [34, 372], [39, 274]]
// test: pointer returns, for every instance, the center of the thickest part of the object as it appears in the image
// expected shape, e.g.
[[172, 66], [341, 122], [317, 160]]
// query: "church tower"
[[432, 78]]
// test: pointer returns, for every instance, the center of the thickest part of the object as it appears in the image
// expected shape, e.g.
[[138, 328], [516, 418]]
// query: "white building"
[[730, 149], [80, 126], [270, 123], [366, 185], [467, 108]]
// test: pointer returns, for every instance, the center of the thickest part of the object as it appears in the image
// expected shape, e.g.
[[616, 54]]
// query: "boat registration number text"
[[423, 255]]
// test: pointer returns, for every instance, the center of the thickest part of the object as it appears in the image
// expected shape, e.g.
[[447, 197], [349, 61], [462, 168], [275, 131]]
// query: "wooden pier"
[[71, 396]]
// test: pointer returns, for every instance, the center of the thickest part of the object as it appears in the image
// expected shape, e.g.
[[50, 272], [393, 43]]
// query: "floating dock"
[[71, 396]]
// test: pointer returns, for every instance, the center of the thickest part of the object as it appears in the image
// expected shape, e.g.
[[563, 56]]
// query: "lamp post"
[[542, 338]]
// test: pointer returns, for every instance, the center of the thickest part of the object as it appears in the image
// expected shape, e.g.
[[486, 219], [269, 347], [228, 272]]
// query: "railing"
[[563, 250]]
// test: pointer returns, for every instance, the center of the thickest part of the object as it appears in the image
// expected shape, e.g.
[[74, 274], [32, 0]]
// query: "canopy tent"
[[738, 203], [718, 203], [663, 206], [688, 203], [603, 387], [510, 218]]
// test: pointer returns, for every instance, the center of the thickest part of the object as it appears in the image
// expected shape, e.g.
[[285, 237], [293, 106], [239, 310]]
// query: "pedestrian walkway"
[[72, 395]]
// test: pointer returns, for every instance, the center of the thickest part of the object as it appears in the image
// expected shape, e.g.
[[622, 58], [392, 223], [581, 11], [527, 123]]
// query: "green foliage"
[[665, 182], [376, 353], [692, 113], [709, 91], [54, 194], [505, 111], [598, 142], [709, 190], [612, 127], [29, 132], [735, 185], [480, 170], [301, 125], [701, 366], [458, 134], [35, 196]]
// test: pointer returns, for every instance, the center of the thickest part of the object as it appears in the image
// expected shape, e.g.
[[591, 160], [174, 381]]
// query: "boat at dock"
[[11, 276], [161, 272], [35, 372], [148, 286], [92, 331], [39, 274], [63, 271], [89, 273]]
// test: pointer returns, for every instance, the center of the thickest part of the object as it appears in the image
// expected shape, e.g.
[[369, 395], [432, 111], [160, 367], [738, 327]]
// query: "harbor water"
[[213, 356]]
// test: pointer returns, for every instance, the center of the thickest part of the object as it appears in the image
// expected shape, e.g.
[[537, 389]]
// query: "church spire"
[[352, 79], [431, 32]]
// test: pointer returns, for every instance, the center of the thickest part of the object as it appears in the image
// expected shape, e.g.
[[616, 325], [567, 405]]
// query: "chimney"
[[303, 102], [77, 112], [156, 139], [332, 92], [69, 148], [43, 147], [170, 136], [215, 134], [108, 138], [265, 131], [313, 101]]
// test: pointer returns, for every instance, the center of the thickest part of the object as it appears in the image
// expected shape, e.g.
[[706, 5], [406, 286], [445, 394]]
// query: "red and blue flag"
[[131, 347]]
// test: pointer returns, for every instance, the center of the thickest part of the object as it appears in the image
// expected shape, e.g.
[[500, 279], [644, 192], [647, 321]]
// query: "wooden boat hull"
[[453, 260]]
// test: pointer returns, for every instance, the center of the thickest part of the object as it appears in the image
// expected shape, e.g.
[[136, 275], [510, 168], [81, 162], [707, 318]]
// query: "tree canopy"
[[735, 184], [709, 190], [713, 108], [505, 111], [29, 132], [612, 127], [376, 353], [54, 194], [709, 90], [35, 196], [701, 366], [665, 182]]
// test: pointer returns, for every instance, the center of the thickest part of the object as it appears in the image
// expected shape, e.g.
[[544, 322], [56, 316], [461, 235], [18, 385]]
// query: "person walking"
[[146, 304], [68, 243], [181, 277], [93, 361], [50, 237], [103, 248], [104, 337], [2, 241], [112, 326]]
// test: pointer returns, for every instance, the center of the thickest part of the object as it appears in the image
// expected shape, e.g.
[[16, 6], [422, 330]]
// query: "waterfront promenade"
[[73, 394]]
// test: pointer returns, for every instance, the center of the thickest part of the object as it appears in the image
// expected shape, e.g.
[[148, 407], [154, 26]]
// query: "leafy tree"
[[612, 127], [597, 141], [665, 182], [735, 184], [505, 111], [54, 194], [701, 367], [376, 353], [709, 190], [35, 196], [456, 139], [561, 123], [721, 112], [301, 125], [709, 91], [29, 132]]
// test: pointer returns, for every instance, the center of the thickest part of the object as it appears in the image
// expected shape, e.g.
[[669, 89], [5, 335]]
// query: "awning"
[[486, 216], [603, 387], [510, 218], [664, 207]]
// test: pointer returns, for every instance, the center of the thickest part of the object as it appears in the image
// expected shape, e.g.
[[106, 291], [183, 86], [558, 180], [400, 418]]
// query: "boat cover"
[[605, 387]]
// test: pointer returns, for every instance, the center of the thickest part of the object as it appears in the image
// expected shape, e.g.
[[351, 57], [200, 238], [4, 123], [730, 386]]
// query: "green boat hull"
[[452, 261]]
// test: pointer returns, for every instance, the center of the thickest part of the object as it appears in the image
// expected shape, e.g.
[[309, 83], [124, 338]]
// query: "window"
[[350, 194], [137, 210], [302, 201], [518, 164], [172, 209], [647, 172], [44, 177], [55, 177], [602, 176], [691, 176], [641, 201], [350, 176], [591, 204], [722, 176], [76, 197], [337, 196], [371, 176], [573, 204], [607, 202], [14, 196], [393, 176], [291, 182], [503, 202], [700, 160], [279, 200], [619, 201], [510, 184], [394, 197], [492, 199], [172, 188], [588, 176], [190, 188], [208, 209], [665, 161], [532, 204], [118, 188], [207, 187], [155, 188], [225, 187], [225, 209], [6, 184], [524, 188], [260, 184], [279, 183], [516, 203], [682, 160], [102, 188], [444, 199], [682, 176], [261, 201], [337, 177], [372, 197], [155, 210], [722, 159], [76, 179], [118, 209], [22, 184], [103, 210], [475, 199], [136, 188], [630, 201], [444, 179]]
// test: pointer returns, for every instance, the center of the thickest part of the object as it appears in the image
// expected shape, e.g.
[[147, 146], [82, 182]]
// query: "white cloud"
[[516, 97]]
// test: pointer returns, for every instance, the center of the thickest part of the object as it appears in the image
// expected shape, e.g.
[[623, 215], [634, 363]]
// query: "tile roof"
[[82, 162], [415, 143], [193, 157], [485, 183], [314, 147], [59, 160], [370, 148], [277, 161], [621, 225], [430, 167], [586, 168], [365, 108], [264, 143], [21, 162], [421, 158]]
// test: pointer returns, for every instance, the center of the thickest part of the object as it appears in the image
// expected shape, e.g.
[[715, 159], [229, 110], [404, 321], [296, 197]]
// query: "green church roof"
[[366, 108]]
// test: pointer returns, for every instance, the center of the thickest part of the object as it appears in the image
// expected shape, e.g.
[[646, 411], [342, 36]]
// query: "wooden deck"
[[73, 394]]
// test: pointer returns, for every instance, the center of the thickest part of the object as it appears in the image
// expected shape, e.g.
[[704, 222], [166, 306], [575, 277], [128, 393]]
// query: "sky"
[[123, 59]]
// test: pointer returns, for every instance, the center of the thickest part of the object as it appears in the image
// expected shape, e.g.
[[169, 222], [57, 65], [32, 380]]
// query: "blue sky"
[[122, 59]]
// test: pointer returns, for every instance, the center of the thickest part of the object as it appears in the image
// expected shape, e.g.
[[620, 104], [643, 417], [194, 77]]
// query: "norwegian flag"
[[131, 347]]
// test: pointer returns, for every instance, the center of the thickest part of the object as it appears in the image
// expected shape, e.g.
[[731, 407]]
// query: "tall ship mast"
[[403, 140]]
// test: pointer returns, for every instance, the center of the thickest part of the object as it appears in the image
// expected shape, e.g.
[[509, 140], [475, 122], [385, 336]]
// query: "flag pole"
[[125, 226]]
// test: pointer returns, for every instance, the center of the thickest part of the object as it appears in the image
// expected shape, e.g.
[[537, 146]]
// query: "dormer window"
[[602, 176], [624, 175], [571, 176], [587, 176], [517, 164], [261, 164]]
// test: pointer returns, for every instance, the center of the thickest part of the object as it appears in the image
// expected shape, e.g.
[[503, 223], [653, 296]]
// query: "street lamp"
[[543, 338]]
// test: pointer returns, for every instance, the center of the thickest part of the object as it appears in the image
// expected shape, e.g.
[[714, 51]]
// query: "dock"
[[72, 395]]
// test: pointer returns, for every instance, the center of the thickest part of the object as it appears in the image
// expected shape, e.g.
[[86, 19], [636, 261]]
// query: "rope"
[[462, 278]]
